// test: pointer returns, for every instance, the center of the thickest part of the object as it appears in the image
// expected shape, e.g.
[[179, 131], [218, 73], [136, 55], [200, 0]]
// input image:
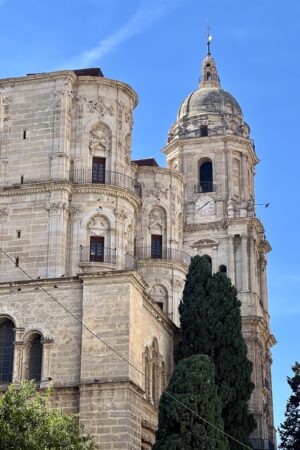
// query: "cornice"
[[36, 188], [111, 83], [39, 78], [109, 190], [163, 264], [203, 141], [161, 170]]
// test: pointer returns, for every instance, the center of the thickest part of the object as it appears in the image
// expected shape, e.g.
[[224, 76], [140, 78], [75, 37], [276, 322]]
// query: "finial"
[[209, 39]]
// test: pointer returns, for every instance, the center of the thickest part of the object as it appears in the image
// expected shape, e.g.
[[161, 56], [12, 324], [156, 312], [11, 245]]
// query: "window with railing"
[[98, 170], [156, 246], [97, 248]]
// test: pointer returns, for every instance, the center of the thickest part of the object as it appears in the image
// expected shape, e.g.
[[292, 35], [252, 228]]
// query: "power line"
[[120, 356]]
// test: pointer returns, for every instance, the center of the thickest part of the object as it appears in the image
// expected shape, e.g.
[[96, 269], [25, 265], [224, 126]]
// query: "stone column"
[[74, 259], [56, 238], [231, 261], [47, 344], [244, 178], [229, 172], [245, 264], [253, 274], [263, 280], [18, 355]]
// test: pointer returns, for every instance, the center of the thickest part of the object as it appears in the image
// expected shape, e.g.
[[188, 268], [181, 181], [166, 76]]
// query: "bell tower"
[[210, 144]]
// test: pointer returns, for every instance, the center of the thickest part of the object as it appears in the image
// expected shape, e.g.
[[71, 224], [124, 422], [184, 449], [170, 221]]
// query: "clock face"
[[204, 206]]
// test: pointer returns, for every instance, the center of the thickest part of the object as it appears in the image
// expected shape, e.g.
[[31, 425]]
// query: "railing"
[[169, 254], [85, 176], [205, 187], [262, 444], [106, 256]]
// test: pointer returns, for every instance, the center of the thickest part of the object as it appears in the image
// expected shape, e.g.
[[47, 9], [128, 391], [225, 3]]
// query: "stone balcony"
[[105, 259], [166, 254], [88, 176]]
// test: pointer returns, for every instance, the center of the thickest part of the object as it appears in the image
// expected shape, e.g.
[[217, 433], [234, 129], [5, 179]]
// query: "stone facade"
[[99, 245]]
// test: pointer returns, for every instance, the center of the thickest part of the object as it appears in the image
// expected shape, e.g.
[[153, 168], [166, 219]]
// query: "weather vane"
[[209, 39]]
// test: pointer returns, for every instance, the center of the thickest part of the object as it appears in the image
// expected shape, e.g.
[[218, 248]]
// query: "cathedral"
[[95, 246]]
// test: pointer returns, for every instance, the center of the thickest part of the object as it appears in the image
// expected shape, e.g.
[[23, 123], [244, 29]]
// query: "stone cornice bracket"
[[3, 214]]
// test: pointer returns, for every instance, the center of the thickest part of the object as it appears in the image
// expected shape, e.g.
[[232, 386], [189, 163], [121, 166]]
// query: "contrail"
[[147, 14]]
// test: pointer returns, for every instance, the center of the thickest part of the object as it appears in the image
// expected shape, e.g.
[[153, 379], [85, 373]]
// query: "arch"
[[206, 175], [223, 269], [208, 76], [35, 357], [7, 342], [208, 259], [99, 231], [159, 294], [157, 220]]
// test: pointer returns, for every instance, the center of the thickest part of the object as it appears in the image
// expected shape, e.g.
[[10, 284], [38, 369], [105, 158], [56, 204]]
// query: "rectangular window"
[[97, 249], [22, 179], [17, 262], [18, 234], [156, 246], [24, 134], [98, 170]]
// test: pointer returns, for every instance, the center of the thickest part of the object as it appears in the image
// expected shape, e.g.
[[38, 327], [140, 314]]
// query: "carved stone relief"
[[98, 226], [160, 295], [56, 207], [100, 138], [157, 218], [127, 148], [157, 192], [100, 107]]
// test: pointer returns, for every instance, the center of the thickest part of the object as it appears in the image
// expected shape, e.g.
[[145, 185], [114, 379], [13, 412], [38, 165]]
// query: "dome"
[[209, 101], [209, 110]]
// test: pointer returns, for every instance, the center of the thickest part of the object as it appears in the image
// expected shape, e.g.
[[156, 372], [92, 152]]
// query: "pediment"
[[205, 243]]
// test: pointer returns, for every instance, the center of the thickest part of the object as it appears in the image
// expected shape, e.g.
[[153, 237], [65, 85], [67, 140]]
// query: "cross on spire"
[[209, 39]]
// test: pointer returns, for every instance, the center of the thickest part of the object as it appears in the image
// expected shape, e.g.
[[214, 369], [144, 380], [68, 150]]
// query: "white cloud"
[[147, 14]]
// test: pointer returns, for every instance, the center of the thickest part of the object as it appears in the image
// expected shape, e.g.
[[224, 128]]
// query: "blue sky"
[[157, 47]]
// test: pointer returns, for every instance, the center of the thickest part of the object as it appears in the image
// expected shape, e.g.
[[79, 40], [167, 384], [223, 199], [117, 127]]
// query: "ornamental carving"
[[120, 109], [75, 210], [156, 218], [100, 138], [100, 107], [127, 148], [121, 214], [157, 192], [56, 207], [204, 243], [128, 118], [159, 294], [3, 214], [177, 284], [98, 226]]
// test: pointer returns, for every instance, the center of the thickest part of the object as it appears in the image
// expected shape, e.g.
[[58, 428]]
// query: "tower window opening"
[[22, 179], [206, 177], [7, 340], [18, 234], [223, 269], [208, 76], [17, 262], [203, 130], [35, 359], [24, 134], [208, 65]]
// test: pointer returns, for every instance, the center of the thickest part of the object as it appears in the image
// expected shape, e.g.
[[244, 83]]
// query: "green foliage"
[[211, 325], [192, 384], [289, 430], [28, 423]]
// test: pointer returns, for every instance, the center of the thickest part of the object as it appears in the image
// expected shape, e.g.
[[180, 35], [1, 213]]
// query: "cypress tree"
[[289, 430], [192, 384], [211, 325]]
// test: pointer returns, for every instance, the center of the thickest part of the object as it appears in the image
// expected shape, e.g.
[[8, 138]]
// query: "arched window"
[[208, 76], [223, 269], [206, 177], [208, 259], [7, 340], [35, 358]]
